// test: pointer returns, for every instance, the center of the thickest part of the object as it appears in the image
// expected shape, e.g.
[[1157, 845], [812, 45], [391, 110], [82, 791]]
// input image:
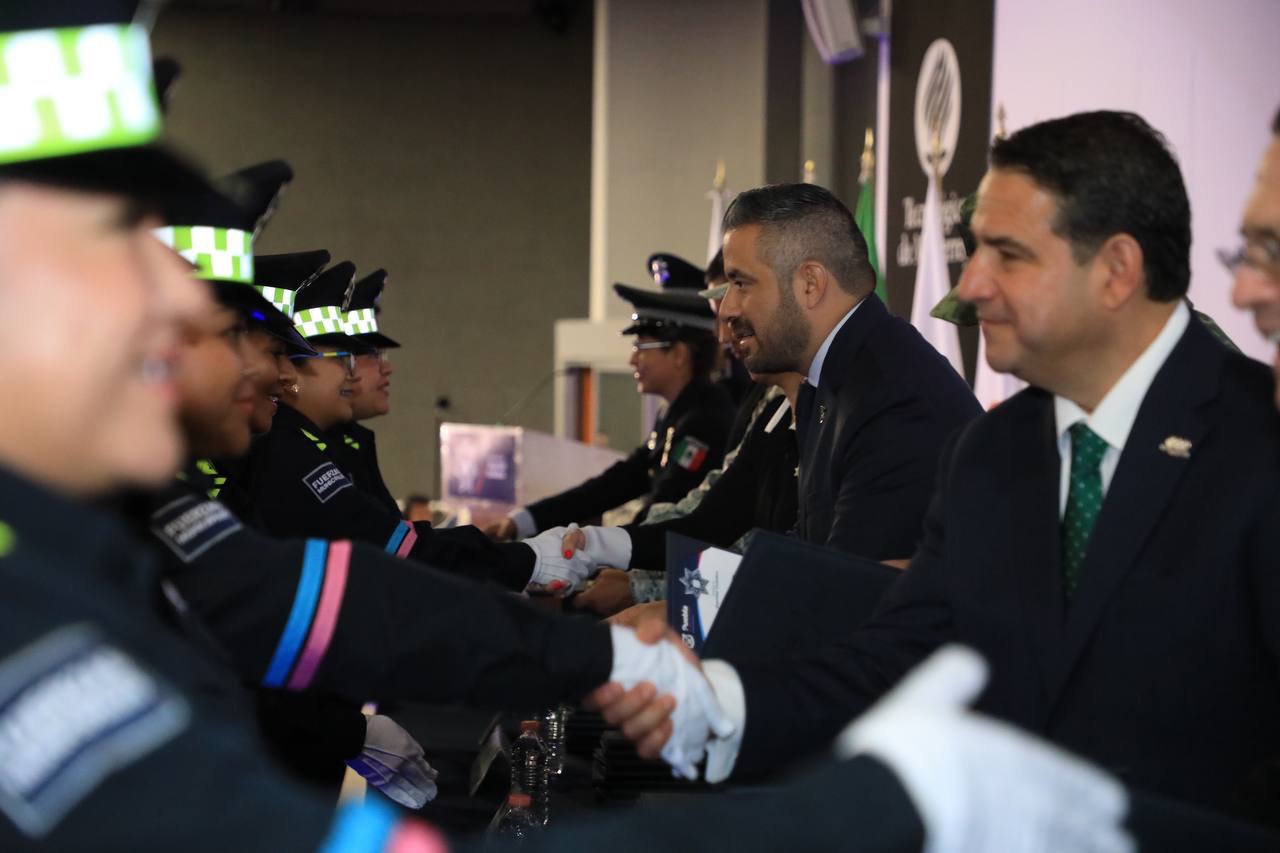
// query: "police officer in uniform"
[[353, 443], [297, 487], [673, 273], [118, 731], [401, 632], [674, 353], [315, 736]]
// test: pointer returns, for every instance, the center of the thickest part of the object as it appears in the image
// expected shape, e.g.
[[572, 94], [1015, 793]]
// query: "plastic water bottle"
[[553, 728], [518, 822], [529, 768]]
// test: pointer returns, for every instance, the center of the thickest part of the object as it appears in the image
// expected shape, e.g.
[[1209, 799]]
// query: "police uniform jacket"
[[688, 441], [348, 619], [757, 490], [299, 490], [118, 731], [357, 454]]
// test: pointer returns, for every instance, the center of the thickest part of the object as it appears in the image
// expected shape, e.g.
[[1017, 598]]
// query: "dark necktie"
[[1084, 500], [805, 405]]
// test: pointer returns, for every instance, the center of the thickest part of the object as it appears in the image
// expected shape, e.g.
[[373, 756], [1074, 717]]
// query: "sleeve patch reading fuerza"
[[190, 526], [74, 709], [326, 481]]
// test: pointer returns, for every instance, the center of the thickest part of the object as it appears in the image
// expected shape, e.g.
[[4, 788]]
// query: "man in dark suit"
[[878, 401], [1106, 538]]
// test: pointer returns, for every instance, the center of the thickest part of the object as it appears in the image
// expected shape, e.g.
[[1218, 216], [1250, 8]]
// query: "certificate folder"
[[790, 597], [698, 579]]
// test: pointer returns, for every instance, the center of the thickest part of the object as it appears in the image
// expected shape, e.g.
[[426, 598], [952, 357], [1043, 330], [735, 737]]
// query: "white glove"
[[697, 716], [552, 571], [607, 546], [393, 763], [982, 785]]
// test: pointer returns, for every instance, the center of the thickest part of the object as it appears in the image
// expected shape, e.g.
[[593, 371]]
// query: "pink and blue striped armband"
[[309, 630], [373, 827], [402, 540]]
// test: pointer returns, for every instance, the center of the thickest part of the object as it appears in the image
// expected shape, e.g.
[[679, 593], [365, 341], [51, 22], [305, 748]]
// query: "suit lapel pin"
[[1176, 446], [822, 413]]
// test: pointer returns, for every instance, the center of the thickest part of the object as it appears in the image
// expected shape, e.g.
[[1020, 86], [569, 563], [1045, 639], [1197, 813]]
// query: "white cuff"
[[525, 525], [722, 753], [609, 546]]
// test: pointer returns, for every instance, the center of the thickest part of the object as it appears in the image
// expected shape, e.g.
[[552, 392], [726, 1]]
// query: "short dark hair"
[[804, 222], [1111, 173], [704, 351], [715, 269]]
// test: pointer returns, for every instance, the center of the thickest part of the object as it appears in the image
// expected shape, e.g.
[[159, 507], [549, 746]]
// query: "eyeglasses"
[[640, 346], [348, 359], [1261, 255], [381, 355]]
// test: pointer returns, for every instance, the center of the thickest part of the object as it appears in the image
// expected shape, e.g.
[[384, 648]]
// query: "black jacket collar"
[[868, 316], [75, 536], [287, 417]]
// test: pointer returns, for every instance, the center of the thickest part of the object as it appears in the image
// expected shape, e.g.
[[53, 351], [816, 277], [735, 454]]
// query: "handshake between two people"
[[976, 783], [565, 558]]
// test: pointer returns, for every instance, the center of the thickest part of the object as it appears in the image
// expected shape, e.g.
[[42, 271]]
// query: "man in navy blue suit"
[[1106, 538], [878, 401]]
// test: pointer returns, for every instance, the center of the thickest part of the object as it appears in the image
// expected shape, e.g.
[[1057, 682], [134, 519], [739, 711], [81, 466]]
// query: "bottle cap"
[[529, 726], [519, 801]]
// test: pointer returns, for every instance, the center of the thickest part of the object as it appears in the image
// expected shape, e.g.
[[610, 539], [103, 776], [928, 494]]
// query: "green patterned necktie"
[[1084, 499]]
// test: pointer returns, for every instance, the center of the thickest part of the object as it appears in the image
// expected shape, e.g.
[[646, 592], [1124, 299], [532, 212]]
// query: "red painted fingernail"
[[555, 585], [568, 553]]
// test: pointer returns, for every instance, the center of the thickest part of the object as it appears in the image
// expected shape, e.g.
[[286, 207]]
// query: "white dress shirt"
[[1111, 420], [820, 358], [1113, 417]]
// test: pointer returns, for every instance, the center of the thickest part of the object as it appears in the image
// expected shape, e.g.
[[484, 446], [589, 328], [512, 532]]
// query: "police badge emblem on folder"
[[698, 579]]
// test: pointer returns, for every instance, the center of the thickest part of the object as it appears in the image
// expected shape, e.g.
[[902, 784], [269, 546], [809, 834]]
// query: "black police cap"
[[132, 163], [671, 272], [320, 309], [366, 298], [671, 315]]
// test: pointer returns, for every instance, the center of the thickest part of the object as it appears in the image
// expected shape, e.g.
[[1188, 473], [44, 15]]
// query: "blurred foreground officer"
[[114, 734], [354, 443], [674, 353]]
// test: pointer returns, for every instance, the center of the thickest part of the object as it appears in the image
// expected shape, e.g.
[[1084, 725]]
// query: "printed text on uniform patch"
[[326, 481], [73, 709]]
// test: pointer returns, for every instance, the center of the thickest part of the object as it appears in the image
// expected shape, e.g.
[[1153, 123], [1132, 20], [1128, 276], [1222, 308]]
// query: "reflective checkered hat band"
[[362, 321], [225, 254], [281, 297], [325, 320], [75, 89]]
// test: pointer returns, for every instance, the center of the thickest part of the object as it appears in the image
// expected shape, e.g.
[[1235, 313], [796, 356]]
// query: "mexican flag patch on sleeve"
[[690, 454]]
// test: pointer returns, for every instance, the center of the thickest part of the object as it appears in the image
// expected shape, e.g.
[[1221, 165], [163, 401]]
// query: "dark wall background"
[[970, 27], [454, 151]]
